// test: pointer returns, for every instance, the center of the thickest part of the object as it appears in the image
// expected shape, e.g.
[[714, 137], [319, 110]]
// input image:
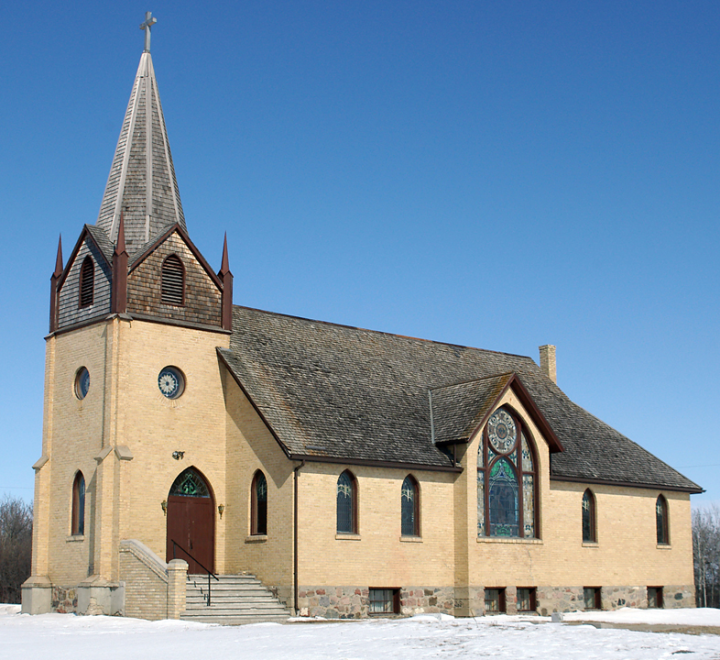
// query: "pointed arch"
[[410, 507], [589, 519], [173, 281], [77, 523], [87, 282], [661, 521], [507, 502], [258, 505], [347, 502]]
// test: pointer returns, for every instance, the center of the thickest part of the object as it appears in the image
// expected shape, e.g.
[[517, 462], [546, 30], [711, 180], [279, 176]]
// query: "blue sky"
[[499, 175]]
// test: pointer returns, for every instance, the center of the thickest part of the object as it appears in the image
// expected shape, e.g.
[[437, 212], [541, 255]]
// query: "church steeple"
[[142, 184]]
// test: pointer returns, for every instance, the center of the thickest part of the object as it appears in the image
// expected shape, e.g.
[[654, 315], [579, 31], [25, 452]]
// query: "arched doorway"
[[191, 521]]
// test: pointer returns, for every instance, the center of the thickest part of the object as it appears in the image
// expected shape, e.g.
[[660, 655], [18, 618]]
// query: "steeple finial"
[[120, 245], [146, 25], [225, 265], [59, 260]]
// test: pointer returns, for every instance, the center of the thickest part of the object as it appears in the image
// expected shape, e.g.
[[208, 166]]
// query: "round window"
[[171, 382], [82, 383]]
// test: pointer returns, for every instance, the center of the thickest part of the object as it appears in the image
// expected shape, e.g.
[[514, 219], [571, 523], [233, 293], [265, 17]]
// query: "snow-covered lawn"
[[60, 636]]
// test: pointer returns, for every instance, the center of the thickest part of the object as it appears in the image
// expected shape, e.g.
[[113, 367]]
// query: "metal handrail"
[[205, 568]]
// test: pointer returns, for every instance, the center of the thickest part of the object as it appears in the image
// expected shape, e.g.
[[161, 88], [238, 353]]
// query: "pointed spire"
[[54, 279], [118, 295], [225, 266], [59, 259], [226, 277], [142, 176], [120, 245]]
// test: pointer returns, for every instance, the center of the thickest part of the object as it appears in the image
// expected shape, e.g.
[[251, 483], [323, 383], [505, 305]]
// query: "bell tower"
[[136, 316]]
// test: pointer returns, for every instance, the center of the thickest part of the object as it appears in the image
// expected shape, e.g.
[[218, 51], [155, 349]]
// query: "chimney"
[[547, 362]]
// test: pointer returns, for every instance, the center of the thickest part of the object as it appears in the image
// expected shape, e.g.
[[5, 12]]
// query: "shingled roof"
[[338, 393]]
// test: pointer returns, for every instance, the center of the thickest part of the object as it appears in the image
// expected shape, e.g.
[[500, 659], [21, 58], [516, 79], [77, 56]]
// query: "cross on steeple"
[[146, 25]]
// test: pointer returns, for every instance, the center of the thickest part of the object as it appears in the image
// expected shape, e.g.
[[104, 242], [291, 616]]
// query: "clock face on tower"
[[171, 382]]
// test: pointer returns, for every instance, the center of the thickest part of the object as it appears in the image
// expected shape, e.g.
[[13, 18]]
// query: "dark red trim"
[[118, 303], [227, 288], [54, 279]]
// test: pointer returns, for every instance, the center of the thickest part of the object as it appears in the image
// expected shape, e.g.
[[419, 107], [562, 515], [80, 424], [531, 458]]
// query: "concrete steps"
[[234, 600]]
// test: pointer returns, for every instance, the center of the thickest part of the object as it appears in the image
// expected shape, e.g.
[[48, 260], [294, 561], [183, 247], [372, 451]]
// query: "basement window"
[[494, 601], [655, 597], [592, 598], [526, 599], [384, 601]]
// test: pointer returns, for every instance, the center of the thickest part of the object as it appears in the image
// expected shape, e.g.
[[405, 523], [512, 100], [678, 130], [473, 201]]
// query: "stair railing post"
[[208, 600]]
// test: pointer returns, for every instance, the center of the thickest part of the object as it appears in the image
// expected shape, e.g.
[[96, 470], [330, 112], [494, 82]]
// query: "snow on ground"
[[682, 617], [62, 636]]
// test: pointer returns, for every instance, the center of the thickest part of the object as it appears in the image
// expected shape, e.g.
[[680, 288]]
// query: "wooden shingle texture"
[[350, 394]]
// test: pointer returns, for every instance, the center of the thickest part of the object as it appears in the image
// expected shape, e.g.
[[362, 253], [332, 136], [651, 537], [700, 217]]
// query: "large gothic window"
[[173, 281], [346, 504], [87, 282], [77, 525], [258, 520], [661, 521], [506, 479], [589, 529], [410, 507]]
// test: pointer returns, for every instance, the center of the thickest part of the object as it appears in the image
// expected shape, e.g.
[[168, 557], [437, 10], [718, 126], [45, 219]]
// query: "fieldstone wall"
[[354, 602], [64, 600], [675, 596]]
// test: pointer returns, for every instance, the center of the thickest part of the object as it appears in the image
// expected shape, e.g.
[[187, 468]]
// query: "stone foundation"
[[354, 602], [64, 600]]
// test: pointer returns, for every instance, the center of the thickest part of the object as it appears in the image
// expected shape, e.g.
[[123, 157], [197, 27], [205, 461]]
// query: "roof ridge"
[[383, 332], [472, 380]]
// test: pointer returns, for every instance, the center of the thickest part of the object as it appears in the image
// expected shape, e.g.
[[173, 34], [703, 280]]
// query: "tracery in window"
[[661, 521], [189, 484], [173, 281], [258, 520], [410, 507], [77, 525], [346, 504], [506, 479], [589, 531], [87, 282]]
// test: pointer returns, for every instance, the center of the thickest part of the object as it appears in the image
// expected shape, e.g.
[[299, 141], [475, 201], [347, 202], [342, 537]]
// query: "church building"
[[204, 459]]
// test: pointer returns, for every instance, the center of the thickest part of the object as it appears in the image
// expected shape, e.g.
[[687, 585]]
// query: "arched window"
[[87, 282], [346, 504], [410, 507], [77, 526], [173, 281], [589, 530], [661, 520], [258, 498], [506, 479]]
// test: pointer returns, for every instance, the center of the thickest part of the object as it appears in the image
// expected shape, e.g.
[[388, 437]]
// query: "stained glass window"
[[506, 481], [190, 484], [588, 517], [346, 495], [661, 518], [409, 508], [258, 524]]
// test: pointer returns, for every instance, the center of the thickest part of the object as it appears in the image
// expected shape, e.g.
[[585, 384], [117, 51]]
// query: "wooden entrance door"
[[191, 522]]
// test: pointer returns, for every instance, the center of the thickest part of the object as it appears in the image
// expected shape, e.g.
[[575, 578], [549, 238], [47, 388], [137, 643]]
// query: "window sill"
[[256, 538], [347, 537], [75, 538], [664, 546], [504, 539], [411, 539], [590, 544]]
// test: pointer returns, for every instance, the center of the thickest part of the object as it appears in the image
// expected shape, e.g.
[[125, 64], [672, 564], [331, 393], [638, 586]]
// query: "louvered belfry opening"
[[173, 281], [87, 282]]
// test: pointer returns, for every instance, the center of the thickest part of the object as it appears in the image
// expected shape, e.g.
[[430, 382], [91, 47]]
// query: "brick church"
[[303, 467]]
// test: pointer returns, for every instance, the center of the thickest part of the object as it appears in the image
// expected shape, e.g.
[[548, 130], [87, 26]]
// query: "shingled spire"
[[142, 181]]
